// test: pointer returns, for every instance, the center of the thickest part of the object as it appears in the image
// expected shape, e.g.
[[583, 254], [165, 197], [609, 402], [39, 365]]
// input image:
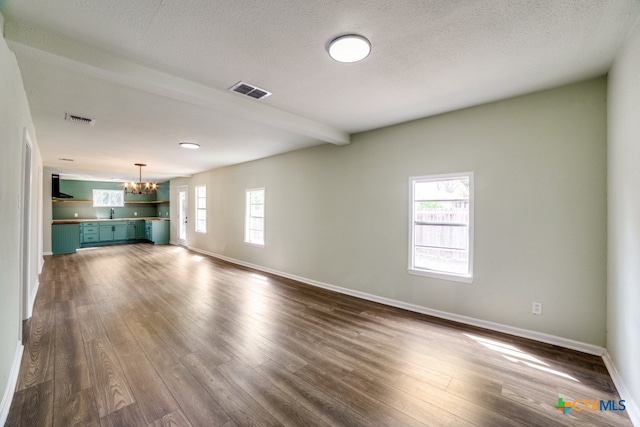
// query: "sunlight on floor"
[[515, 355]]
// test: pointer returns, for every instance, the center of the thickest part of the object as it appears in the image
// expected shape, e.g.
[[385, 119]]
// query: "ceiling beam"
[[53, 49]]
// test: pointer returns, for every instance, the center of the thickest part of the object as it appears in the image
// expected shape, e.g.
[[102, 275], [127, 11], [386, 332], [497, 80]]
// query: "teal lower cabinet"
[[89, 233], [65, 238], [120, 231], [158, 232], [106, 233], [131, 230], [141, 230], [113, 231]]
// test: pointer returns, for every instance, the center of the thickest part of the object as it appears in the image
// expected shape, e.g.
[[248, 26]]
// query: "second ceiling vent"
[[249, 90], [79, 119]]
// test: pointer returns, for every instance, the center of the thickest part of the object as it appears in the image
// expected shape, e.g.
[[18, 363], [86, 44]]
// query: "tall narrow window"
[[254, 221], [201, 208], [442, 226]]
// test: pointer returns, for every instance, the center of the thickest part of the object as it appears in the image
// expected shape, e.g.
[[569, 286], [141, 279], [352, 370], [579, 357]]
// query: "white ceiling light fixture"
[[349, 48], [190, 145]]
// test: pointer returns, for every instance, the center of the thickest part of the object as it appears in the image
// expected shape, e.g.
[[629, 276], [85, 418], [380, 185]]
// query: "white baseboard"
[[632, 409], [12, 381], [32, 298], [47, 253], [498, 327]]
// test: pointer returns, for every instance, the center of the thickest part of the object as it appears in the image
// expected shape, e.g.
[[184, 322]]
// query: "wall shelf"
[[126, 202], [143, 202]]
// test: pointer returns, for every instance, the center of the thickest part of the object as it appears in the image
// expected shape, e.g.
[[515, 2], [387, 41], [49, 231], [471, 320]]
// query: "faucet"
[[113, 212]]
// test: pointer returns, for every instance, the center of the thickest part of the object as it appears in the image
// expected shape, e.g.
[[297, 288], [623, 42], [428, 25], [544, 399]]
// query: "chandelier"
[[139, 188]]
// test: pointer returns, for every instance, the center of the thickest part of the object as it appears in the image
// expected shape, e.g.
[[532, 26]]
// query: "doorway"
[[25, 233], [182, 215]]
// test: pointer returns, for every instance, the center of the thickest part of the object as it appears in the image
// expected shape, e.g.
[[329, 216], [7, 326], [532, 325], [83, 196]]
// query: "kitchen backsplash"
[[83, 191], [87, 211]]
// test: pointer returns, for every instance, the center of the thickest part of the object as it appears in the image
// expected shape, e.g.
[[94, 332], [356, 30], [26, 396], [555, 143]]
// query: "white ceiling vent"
[[79, 119], [249, 90]]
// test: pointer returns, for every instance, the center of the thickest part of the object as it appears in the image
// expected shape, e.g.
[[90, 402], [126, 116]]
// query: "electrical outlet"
[[75, 214], [536, 308], [135, 214]]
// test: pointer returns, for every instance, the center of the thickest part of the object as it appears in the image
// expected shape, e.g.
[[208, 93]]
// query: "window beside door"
[[201, 208]]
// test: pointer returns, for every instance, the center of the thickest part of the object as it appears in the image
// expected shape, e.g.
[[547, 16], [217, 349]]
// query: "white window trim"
[[195, 226], [112, 193], [246, 218], [465, 278]]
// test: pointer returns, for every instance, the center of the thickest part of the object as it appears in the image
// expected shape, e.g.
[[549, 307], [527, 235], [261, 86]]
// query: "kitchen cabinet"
[[89, 232], [113, 231], [141, 231], [131, 230], [120, 232], [158, 232], [65, 238], [106, 233]]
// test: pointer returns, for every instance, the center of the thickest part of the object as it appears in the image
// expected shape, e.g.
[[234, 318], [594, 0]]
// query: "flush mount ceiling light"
[[190, 145], [349, 48]]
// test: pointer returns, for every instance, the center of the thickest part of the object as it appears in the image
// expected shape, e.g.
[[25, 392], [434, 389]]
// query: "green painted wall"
[[83, 190], [623, 289], [339, 215]]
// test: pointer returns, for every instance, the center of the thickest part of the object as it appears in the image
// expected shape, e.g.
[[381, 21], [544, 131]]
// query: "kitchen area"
[[98, 213]]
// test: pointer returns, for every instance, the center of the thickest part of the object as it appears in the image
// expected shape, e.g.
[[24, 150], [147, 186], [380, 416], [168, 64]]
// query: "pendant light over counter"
[[138, 188]]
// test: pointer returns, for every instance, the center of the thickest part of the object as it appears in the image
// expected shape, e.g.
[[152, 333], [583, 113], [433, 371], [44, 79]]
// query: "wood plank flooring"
[[145, 335]]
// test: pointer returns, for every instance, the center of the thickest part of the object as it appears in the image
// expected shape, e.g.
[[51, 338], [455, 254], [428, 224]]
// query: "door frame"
[[25, 229], [182, 239]]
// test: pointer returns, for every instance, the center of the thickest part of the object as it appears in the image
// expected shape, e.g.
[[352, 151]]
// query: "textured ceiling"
[[155, 72]]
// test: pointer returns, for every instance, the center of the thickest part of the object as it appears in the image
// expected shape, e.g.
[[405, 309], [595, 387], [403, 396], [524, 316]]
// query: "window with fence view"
[[441, 244]]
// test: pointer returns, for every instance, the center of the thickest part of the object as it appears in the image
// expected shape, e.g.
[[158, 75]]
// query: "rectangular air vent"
[[249, 90], [79, 119]]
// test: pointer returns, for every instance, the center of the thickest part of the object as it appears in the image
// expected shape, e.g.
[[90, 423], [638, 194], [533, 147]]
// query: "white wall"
[[623, 291], [339, 215], [14, 117]]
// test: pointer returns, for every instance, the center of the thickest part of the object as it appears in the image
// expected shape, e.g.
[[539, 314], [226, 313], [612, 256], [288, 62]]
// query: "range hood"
[[55, 188]]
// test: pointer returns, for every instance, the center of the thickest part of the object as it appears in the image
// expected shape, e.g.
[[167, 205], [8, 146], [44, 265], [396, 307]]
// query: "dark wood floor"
[[141, 335]]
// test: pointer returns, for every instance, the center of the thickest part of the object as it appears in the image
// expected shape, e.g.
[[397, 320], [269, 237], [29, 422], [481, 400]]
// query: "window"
[[254, 222], [108, 198], [201, 208], [442, 227]]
